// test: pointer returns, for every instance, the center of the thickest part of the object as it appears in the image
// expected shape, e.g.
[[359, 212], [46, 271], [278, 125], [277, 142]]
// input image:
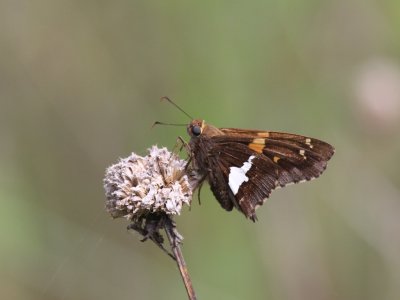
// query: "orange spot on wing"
[[264, 134], [257, 145]]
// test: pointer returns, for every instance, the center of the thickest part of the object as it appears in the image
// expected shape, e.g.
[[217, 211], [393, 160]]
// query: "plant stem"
[[175, 239]]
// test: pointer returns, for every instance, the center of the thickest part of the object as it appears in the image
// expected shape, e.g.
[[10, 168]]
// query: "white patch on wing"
[[238, 175]]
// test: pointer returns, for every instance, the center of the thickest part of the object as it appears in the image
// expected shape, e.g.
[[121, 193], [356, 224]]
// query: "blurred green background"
[[80, 83]]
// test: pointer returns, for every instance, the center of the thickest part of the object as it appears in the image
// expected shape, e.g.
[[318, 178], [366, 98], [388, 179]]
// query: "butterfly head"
[[195, 128]]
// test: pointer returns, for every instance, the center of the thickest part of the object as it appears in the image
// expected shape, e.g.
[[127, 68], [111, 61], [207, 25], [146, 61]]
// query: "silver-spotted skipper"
[[244, 166]]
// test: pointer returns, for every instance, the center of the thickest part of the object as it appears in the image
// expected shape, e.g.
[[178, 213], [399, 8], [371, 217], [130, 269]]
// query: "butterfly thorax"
[[200, 142], [204, 158]]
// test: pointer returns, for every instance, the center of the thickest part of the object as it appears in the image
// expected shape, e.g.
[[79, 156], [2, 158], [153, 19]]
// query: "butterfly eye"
[[196, 130]]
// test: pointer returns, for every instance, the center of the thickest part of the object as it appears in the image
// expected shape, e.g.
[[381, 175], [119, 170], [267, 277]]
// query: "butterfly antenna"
[[176, 105], [168, 124]]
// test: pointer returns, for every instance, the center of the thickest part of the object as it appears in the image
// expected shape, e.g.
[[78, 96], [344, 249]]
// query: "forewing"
[[303, 142], [294, 153]]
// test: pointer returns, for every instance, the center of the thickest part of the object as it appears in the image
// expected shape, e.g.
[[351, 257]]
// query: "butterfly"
[[243, 166]]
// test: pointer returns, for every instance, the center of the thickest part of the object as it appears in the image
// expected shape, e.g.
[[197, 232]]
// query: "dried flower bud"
[[137, 186]]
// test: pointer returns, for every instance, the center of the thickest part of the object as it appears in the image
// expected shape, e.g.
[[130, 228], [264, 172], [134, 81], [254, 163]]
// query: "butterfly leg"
[[183, 144], [180, 143], [200, 185]]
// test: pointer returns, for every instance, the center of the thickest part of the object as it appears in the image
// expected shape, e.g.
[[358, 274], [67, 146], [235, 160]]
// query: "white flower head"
[[156, 183]]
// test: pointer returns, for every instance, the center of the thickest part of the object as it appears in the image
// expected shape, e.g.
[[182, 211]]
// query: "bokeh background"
[[80, 83]]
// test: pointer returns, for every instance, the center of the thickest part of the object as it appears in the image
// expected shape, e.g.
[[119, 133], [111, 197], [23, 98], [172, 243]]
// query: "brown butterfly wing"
[[278, 159]]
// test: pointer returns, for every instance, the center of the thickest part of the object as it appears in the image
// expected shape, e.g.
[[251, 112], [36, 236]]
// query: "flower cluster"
[[137, 186]]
